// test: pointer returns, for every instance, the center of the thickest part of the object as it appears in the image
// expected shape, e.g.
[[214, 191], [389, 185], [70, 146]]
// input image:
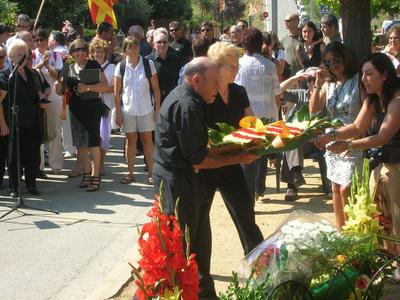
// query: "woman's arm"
[[298, 56], [117, 100], [358, 128], [390, 126], [4, 130], [156, 91]]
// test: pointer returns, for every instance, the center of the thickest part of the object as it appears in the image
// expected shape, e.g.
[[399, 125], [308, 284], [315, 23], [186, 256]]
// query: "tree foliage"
[[8, 12], [234, 10], [202, 11], [171, 9], [133, 12]]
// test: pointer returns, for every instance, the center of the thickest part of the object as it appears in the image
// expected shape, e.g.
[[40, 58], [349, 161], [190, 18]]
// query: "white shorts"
[[143, 123]]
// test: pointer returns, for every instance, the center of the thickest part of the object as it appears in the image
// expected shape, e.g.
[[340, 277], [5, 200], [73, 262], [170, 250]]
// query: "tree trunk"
[[356, 20]]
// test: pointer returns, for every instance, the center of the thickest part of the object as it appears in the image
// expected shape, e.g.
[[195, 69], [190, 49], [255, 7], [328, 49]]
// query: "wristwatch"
[[349, 146]]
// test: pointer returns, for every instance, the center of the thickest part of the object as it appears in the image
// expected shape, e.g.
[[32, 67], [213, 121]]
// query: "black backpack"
[[147, 71]]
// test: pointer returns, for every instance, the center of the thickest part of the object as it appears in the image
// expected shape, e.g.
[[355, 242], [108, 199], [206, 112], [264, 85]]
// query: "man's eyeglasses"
[[162, 42], [174, 29], [205, 29], [82, 49]]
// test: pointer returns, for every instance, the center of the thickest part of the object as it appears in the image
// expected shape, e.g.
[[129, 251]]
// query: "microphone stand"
[[15, 134]]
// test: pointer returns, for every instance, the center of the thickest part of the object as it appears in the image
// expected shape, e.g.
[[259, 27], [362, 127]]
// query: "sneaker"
[[69, 154], [291, 195]]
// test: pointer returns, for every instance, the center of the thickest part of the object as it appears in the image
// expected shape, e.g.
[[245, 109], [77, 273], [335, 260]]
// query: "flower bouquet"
[[309, 250], [258, 137], [165, 272]]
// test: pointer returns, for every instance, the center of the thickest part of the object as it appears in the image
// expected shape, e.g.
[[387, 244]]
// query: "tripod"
[[15, 134]]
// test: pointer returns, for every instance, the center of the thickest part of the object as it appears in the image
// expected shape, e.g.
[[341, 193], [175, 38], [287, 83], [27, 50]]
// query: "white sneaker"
[[69, 154]]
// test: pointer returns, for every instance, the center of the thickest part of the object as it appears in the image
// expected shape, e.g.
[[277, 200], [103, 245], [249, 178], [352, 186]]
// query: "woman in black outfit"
[[86, 111], [309, 50], [27, 99], [230, 106]]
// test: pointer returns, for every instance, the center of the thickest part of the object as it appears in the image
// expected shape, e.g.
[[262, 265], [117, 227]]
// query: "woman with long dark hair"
[[309, 50], [336, 90], [381, 111]]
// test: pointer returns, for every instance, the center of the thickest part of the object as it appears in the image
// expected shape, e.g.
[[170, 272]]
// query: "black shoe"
[[291, 195], [33, 191], [298, 179], [41, 175]]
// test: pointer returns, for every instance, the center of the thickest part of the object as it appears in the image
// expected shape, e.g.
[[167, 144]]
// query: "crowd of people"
[[163, 90]]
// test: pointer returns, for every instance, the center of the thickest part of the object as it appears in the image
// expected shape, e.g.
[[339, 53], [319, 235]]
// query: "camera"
[[375, 157]]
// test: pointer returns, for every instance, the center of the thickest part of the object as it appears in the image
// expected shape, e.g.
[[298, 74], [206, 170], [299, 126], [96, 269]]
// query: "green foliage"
[[202, 11], [133, 12], [234, 10], [377, 6], [8, 12], [248, 291], [171, 9], [56, 11]]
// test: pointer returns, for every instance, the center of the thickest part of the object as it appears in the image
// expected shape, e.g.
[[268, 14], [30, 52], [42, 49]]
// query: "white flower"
[[290, 248]]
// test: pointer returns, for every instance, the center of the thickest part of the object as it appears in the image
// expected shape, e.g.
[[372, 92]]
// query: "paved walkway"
[[68, 256]]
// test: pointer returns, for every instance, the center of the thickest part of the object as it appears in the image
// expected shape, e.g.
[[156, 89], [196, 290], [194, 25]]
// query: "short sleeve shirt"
[[259, 77], [289, 43], [231, 112], [136, 98], [55, 61], [181, 132], [108, 70]]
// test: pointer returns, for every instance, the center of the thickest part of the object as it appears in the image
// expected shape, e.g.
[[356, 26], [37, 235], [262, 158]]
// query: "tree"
[[8, 13], [171, 9], [234, 10], [132, 12], [56, 11]]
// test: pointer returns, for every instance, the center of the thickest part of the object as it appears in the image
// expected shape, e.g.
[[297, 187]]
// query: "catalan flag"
[[102, 11]]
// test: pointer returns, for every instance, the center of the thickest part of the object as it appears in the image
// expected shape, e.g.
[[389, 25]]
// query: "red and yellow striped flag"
[[102, 11]]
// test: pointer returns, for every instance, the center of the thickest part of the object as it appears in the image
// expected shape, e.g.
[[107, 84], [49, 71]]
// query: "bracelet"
[[316, 87], [333, 135], [349, 146]]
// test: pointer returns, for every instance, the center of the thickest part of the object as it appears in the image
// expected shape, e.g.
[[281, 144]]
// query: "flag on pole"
[[102, 11], [221, 5], [253, 9]]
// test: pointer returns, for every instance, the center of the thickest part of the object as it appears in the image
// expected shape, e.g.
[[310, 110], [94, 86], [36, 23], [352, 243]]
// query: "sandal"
[[85, 180], [150, 180], [128, 178], [94, 184]]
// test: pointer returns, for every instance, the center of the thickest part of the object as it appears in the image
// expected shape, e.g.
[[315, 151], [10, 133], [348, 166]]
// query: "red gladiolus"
[[163, 263], [362, 282]]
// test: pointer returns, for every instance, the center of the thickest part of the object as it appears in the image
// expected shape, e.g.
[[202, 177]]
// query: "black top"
[[145, 48], [184, 48], [391, 153], [230, 113], [181, 132], [316, 58], [27, 96], [167, 71]]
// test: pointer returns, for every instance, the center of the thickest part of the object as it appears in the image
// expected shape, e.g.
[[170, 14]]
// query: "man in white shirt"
[[260, 78], [23, 24]]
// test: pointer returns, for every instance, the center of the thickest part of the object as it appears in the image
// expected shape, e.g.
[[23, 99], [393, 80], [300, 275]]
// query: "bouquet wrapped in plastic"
[[307, 249]]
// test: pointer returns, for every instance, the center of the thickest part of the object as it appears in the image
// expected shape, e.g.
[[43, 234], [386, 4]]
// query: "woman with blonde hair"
[[98, 51], [137, 102], [230, 106]]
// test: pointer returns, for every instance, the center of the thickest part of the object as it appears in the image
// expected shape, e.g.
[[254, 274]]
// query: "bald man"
[[291, 40], [181, 151]]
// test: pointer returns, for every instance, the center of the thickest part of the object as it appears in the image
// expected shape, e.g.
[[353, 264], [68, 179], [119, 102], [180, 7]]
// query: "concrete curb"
[[118, 279]]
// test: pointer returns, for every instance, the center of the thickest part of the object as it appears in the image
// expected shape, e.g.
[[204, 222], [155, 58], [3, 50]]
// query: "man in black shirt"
[[166, 62], [180, 43], [181, 151]]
